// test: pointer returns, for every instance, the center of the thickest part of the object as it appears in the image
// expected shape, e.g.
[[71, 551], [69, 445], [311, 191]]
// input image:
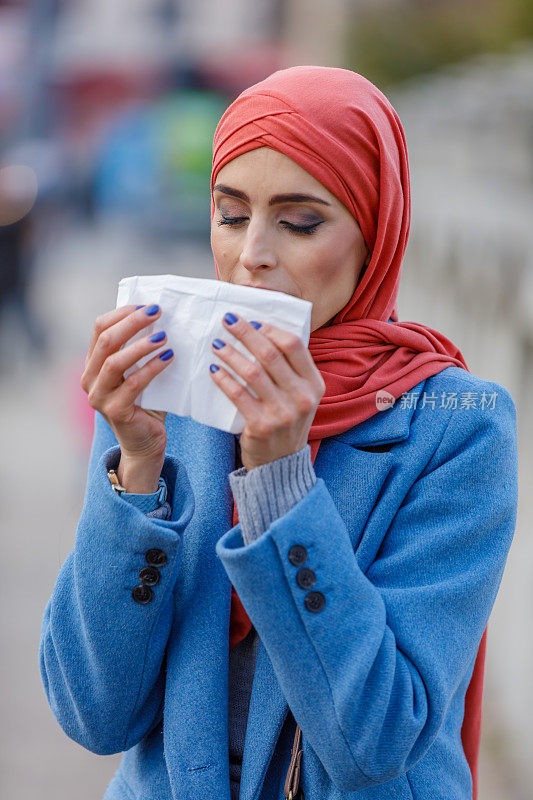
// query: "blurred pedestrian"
[[17, 212]]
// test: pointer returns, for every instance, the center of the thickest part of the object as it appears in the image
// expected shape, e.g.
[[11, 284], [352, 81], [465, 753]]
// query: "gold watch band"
[[112, 475]]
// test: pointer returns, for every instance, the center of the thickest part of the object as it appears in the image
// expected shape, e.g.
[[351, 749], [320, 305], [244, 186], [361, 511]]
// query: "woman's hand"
[[286, 381], [140, 432]]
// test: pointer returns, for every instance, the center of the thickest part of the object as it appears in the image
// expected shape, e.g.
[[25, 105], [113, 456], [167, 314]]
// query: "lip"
[[268, 288]]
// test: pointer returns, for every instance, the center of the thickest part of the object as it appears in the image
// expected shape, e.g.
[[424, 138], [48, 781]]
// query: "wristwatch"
[[119, 489]]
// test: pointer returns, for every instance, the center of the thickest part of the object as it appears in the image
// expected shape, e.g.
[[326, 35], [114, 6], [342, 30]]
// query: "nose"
[[257, 252]]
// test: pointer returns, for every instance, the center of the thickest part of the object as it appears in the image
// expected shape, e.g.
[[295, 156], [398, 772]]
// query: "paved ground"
[[43, 482]]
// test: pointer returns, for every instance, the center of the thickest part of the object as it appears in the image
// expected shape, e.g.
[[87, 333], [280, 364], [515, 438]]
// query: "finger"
[[120, 401], [267, 353], [105, 321], [292, 347], [113, 335], [111, 374], [239, 395], [253, 373], [296, 353]]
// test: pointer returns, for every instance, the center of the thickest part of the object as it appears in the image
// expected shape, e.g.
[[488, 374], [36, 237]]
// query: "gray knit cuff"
[[164, 511], [266, 493]]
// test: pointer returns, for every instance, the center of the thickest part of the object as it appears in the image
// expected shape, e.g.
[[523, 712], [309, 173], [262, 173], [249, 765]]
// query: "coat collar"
[[391, 425]]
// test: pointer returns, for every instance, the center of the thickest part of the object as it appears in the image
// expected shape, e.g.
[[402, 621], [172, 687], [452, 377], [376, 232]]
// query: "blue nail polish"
[[166, 355], [152, 310], [256, 325], [137, 307], [218, 343], [158, 336], [230, 318], [214, 368]]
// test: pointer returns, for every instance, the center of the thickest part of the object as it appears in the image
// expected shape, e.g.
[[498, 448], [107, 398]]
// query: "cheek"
[[219, 246], [328, 267], [324, 264], [214, 237]]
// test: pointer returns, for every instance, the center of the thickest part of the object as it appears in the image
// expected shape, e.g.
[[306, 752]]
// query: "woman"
[[375, 488]]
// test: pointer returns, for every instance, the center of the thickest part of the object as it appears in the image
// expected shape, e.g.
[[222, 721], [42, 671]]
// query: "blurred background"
[[107, 113]]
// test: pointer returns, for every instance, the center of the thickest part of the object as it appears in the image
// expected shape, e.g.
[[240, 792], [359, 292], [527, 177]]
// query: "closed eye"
[[305, 229]]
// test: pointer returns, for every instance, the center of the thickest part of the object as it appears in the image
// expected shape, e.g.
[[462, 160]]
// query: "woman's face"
[[276, 227]]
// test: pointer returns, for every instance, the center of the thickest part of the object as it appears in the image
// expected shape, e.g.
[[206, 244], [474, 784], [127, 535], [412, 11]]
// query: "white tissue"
[[191, 314]]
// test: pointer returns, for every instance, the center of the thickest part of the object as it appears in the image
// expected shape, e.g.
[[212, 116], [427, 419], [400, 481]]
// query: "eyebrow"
[[276, 198]]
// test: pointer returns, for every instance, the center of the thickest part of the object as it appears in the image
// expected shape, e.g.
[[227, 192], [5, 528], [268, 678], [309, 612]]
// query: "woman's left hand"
[[286, 381]]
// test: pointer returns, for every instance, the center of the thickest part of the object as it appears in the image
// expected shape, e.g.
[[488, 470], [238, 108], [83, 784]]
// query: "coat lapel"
[[366, 473], [196, 692], [267, 711]]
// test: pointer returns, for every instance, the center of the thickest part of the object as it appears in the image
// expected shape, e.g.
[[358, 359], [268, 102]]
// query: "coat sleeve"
[[101, 652], [149, 502], [369, 674]]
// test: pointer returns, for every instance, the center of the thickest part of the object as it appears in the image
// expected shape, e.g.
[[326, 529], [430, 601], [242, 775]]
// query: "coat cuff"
[[146, 502], [266, 493]]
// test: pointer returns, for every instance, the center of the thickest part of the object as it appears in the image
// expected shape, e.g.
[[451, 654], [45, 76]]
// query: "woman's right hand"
[[140, 432]]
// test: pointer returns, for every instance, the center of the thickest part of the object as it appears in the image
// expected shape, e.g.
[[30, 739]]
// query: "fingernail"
[[256, 325], [230, 318], [152, 310], [214, 368], [218, 343], [166, 355], [139, 307], [158, 336]]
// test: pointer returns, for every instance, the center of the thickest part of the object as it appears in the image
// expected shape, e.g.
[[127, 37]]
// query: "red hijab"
[[342, 129]]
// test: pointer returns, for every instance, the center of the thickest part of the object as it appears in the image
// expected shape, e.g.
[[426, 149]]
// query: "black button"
[[314, 601], [297, 554], [305, 578], [142, 594], [150, 576], [156, 557]]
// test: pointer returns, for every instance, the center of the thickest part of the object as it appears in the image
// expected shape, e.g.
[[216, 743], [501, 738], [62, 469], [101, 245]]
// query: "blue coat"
[[408, 545]]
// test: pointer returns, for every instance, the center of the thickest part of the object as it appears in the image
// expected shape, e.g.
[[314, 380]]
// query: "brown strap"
[[292, 780]]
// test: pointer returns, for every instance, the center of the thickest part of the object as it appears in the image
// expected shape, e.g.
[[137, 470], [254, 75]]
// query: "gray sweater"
[[261, 495]]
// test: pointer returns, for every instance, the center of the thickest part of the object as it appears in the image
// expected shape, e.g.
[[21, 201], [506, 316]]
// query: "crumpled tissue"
[[191, 314]]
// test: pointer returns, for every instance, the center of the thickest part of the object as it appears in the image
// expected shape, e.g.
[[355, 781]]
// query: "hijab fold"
[[342, 129]]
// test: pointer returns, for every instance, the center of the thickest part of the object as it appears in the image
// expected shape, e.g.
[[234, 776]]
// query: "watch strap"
[[157, 497], [115, 484]]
